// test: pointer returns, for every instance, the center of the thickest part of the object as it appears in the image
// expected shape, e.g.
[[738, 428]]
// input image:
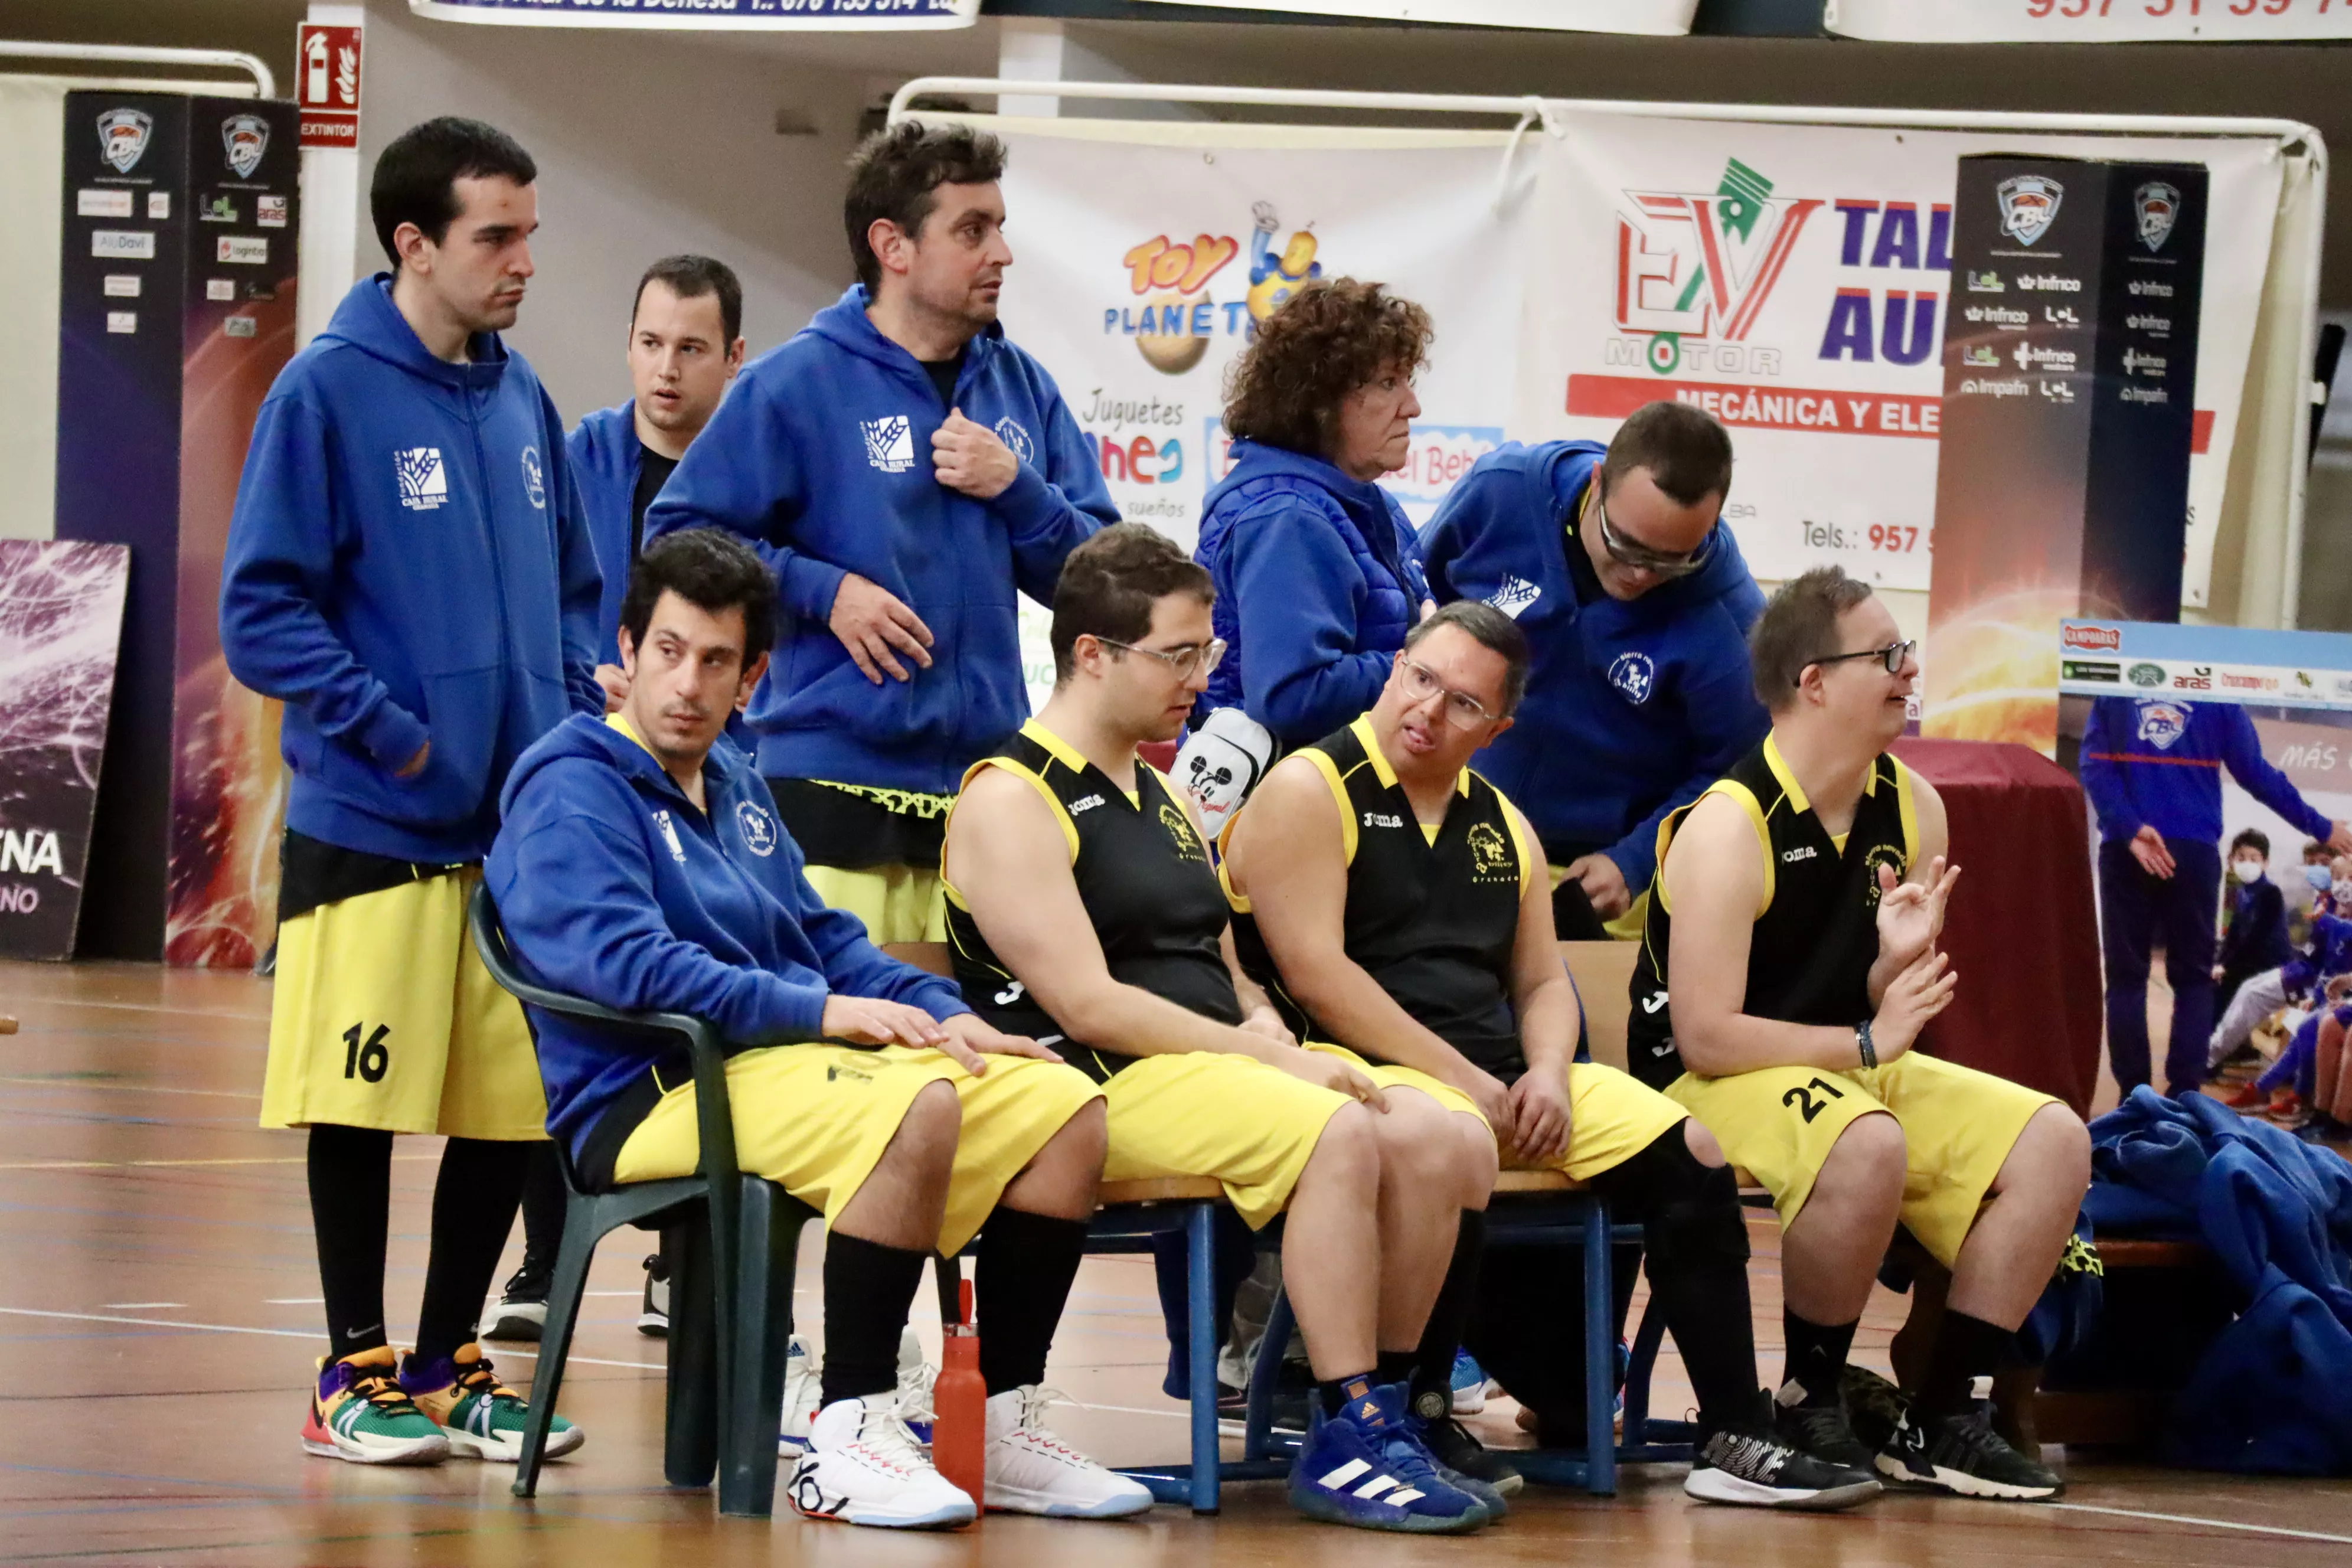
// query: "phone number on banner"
[[2089, 21]]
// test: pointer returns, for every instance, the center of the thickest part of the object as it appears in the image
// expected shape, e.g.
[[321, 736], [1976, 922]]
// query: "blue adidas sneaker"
[[1364, 1467]]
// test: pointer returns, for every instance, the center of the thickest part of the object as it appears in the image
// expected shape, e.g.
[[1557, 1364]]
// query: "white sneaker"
[[1030, 1470], [863, 1465], [803, 1378], [916, 1377]]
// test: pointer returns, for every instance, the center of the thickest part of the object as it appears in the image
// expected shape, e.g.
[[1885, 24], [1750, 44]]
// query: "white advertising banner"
[[2089, 21], [1795, 280], [1673, 16], [1140, 271]]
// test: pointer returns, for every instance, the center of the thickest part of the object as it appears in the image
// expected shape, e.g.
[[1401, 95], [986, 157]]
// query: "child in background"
[[2255, 937], [2328, 951]]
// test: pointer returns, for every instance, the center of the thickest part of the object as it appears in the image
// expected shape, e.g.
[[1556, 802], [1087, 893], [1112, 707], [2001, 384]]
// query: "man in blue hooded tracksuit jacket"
[[2152, 767], [904, 470], [641, 867], [1636, 604], [408, 571]]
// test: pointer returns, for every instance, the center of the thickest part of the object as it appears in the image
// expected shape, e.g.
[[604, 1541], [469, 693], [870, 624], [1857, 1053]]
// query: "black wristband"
[[1862, 1043]]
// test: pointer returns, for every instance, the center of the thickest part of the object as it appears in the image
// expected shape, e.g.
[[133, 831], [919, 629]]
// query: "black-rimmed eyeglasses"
[[1892, 655]]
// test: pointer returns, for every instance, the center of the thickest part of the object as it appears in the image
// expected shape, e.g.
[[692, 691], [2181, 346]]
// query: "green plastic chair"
[[731, 1283]]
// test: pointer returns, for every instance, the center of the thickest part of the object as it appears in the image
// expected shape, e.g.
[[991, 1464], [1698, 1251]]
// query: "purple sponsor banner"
[[60, 631]]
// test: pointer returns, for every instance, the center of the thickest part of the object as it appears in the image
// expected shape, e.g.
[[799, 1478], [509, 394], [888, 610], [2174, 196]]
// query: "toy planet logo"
[[1174, 313]]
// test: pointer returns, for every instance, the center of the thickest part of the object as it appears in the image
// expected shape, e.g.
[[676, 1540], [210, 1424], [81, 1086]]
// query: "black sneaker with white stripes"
[[1961, 1453], [1750, 1464], [1823, 1431]]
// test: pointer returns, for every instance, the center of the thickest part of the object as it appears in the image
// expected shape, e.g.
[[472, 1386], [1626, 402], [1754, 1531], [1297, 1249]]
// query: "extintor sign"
[[327, 84]]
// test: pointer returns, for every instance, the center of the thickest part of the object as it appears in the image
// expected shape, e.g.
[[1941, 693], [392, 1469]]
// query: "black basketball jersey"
[[1816, 932], [1144, 878], [1435, 921]]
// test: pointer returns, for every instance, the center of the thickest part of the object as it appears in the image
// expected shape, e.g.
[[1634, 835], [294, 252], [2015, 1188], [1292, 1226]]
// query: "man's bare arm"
[[1543, 998], [1286, 856], [1713, 882]]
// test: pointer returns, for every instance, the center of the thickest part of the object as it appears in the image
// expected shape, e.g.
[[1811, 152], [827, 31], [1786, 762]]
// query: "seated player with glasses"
[[1392, 901], [1788, 966], [1082, 909], [1630, 589]]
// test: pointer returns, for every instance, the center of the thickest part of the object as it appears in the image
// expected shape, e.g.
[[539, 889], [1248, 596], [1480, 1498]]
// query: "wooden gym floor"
[[159, 1316]]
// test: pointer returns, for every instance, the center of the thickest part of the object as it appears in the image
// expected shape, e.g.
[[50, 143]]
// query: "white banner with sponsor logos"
[[1795, 280], [1140, 270], [1666, 16], [2088, 21]]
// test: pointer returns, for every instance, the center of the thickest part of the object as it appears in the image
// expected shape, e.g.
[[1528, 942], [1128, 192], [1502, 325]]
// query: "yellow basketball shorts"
[[1207, 1113], [383, 1016], [817, 1118], [898, 903], [1612, 1117], [1958, 1126]]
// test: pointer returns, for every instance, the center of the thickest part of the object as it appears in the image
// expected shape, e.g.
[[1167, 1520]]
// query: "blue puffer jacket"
[[1317, 586]]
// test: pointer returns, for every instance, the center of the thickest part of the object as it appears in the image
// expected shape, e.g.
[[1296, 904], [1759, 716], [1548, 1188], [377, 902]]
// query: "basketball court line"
[[2210, 1524], [286, 1334]]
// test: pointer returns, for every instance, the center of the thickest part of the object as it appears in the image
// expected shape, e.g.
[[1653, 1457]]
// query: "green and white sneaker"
[[481, 1417], [359, 1412]]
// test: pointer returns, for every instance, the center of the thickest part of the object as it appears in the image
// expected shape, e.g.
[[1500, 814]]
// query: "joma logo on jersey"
[[1694, 266], [1088, 804], [1802, 852], [1382, 819]]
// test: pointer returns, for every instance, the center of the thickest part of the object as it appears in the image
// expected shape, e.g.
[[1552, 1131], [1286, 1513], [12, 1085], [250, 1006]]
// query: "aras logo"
[[1694, 269], [2093, 639], [1175, 315]]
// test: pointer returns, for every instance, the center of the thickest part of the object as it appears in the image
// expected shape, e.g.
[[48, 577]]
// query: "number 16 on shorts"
[[365, 1054]]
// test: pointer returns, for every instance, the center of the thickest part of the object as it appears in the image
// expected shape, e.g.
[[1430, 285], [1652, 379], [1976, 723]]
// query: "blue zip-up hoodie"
[[1315, 588], [821, 457], [2157, 761], [1633, 707], [612, 887], [407, 563], [604, 455]]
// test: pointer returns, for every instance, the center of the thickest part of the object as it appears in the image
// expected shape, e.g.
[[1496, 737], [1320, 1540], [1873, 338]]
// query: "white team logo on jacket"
[[1515, 596], [1009, 431], [2161, 724], [1635, 675], [759, 828], [889, 443], [424, 483], [533, 483], [669, 836]]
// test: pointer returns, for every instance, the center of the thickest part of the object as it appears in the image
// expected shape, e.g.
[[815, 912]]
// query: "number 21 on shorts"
[[370, 1059], [1801, 1096]]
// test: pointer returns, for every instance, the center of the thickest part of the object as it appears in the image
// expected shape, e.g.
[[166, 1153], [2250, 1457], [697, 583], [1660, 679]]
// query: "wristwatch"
[[1862, 1043]]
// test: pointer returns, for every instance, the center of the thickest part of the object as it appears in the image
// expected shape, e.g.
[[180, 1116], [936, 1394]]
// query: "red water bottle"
[[960, 1407]]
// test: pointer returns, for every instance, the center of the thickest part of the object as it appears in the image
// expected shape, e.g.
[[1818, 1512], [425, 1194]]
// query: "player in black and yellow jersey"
[[1082, 907], [1788, 966], [1395, 902]]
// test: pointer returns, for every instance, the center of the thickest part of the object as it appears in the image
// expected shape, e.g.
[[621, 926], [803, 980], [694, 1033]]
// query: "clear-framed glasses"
[[1463, 711], [1632, 553], [1192, 658], [1892, 656]]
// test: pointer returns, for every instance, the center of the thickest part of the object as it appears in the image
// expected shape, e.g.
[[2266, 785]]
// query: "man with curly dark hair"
[[1316, 584]]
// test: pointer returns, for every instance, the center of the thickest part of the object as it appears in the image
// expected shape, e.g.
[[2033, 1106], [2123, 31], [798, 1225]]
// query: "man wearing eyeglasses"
[[1788, 966], [1082, 905], [1636, 605], [1393, 902]]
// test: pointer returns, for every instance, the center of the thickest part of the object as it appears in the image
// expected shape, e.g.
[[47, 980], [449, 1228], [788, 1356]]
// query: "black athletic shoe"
[[653, 1318], [521, 1309], [1468, 1464], [1822, 1431], [1874, 1406], [1750, 1465], [1964, 1456]]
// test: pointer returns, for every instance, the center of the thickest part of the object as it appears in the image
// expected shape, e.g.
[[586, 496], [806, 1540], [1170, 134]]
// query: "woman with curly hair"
[[1316, 584]]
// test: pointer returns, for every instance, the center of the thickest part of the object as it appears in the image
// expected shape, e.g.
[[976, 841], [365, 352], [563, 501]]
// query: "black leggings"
[[474, 1202]]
